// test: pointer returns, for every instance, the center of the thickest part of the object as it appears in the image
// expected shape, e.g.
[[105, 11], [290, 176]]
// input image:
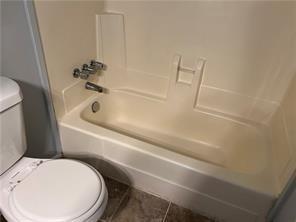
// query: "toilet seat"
[[58, 190]]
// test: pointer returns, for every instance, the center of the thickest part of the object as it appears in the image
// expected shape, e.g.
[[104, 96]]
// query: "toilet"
[[42, 190]]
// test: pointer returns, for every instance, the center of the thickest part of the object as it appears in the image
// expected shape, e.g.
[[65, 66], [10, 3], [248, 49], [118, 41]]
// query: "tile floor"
[[127, 204]]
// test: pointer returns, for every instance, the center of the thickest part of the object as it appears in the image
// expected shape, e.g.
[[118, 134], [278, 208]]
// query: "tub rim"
[[262, 182]]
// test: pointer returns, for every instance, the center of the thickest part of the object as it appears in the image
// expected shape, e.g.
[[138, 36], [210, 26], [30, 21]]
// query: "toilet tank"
[[12, 132]]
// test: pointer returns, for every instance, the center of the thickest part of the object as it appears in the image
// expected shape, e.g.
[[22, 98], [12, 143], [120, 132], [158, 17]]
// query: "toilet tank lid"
[[10, 93]]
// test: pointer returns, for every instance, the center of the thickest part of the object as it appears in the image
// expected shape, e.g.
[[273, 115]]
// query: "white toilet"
[[42, 190]]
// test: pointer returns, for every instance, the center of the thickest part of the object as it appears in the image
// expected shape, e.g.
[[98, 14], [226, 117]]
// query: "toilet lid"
[[58, 190]]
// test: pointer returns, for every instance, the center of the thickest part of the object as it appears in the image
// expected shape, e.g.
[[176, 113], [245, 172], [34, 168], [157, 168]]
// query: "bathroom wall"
[[68, 33], [246, 47], [21, 60]]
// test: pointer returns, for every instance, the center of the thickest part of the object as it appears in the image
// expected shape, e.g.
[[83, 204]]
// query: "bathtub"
[[211, 164]]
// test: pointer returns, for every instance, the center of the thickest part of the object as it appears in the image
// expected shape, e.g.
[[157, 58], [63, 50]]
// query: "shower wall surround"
[[246, 47], [283, 140], [68, 33]]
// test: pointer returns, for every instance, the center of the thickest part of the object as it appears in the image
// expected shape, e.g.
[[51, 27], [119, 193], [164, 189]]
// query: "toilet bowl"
[[45, 190], [39, 190], [42, 190]]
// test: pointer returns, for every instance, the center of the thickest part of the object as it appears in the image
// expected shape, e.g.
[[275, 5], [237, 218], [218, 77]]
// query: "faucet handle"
[[98, 65], [87, 69], [80, 74], [84, 75], [76, 73]]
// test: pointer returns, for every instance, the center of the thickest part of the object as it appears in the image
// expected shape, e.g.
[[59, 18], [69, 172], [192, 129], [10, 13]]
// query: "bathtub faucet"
[[94, 87], [93, 67], [90, 69]]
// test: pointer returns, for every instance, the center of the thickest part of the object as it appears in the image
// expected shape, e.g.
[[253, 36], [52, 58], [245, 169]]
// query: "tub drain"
[[95, 107]]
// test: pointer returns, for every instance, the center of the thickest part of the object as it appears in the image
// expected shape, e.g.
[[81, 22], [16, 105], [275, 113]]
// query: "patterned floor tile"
[[141, 207], [116, 191], [180, 214]]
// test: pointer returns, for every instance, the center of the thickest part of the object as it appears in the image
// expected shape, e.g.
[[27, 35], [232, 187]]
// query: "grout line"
[[166, 213], [118, 207]]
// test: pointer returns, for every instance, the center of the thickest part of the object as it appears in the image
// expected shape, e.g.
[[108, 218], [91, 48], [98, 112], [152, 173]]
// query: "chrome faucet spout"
[[94, 87]]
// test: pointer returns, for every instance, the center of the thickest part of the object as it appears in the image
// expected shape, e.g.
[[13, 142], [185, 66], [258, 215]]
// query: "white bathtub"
[[204, 162]]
